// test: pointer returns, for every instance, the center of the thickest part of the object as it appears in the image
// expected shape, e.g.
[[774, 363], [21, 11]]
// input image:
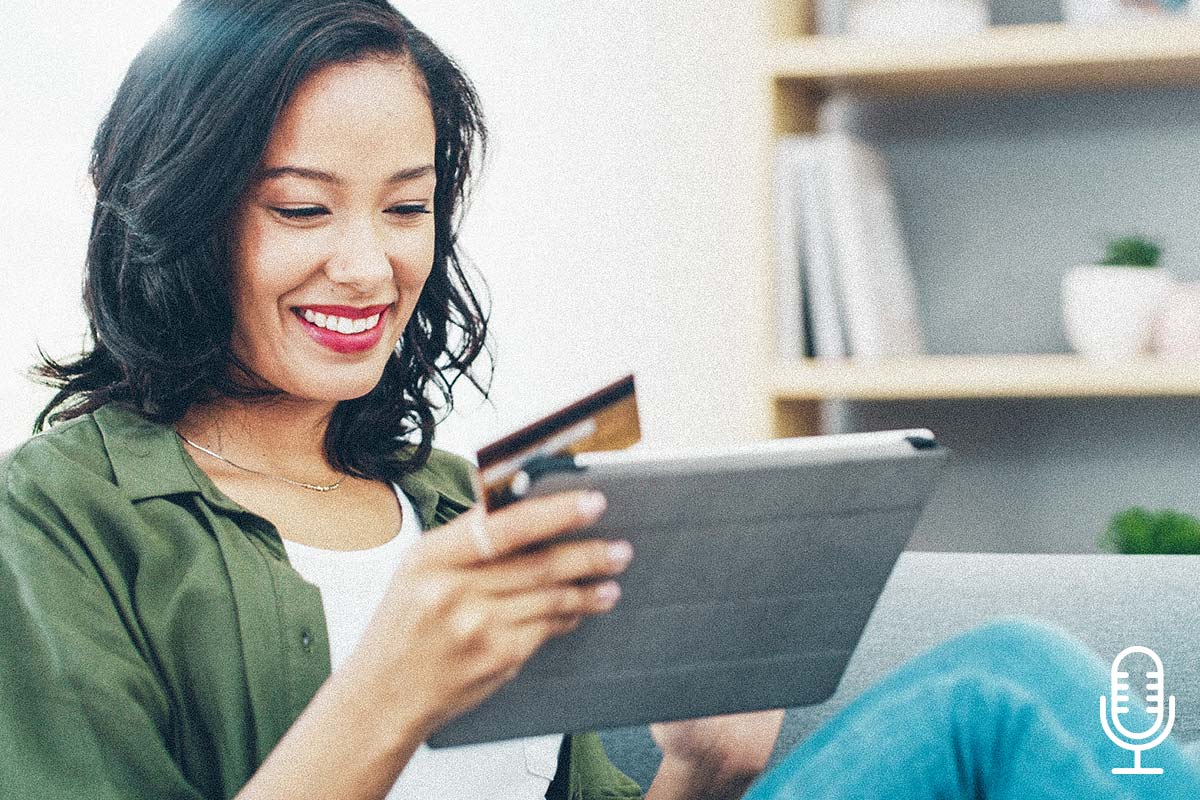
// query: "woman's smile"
[[343, 329]]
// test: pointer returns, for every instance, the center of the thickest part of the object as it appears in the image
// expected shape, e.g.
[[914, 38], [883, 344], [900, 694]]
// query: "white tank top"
[[352, 584]]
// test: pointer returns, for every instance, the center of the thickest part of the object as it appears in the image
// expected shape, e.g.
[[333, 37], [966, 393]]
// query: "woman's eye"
[[310, 212], [300, 213], [411, 209]]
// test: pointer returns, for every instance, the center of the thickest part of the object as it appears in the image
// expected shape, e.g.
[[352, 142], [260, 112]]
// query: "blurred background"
[[785, 217]]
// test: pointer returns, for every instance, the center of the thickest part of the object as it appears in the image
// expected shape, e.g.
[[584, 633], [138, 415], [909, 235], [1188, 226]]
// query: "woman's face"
[[334, 239]]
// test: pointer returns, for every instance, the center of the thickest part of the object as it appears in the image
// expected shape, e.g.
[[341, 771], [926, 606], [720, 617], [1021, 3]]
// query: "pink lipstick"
[[336, 340]]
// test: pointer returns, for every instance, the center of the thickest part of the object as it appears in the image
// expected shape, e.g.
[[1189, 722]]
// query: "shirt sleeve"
[[82, 713]]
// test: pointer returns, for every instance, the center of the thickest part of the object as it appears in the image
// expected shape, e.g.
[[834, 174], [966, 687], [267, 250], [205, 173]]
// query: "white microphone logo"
[[1154, 707]]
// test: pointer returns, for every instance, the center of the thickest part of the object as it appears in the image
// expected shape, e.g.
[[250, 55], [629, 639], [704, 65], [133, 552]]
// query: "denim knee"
[[1024, 633], [1012, 643]]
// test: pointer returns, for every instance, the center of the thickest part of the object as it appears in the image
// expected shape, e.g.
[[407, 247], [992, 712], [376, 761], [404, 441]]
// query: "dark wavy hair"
[[177, 149]]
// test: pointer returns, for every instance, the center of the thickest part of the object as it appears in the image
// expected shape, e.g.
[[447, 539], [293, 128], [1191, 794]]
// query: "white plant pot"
[[1178, 329], [1110, 312]]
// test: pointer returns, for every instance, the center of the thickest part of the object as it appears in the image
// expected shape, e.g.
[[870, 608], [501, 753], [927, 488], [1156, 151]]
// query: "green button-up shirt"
[[154, 639]]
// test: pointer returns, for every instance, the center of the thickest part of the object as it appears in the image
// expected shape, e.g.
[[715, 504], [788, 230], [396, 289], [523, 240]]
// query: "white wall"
[[619, 223]]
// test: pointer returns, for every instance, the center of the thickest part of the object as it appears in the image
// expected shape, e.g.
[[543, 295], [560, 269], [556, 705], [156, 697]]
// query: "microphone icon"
[[1120, 705]]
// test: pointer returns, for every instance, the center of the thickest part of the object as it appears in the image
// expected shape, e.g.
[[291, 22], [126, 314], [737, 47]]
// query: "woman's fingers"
[[514, 527], [564, 562], [490, 623], [477, 600], [475, 536], [504, 631], [563, 600]]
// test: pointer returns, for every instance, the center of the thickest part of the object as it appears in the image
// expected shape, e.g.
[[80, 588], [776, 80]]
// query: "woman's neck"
[[281, 437]]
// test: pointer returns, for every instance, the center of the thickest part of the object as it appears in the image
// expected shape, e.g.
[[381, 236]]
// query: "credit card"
[[606, 419]]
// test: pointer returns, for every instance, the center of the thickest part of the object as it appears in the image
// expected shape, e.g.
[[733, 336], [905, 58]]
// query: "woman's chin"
[[334, 388]]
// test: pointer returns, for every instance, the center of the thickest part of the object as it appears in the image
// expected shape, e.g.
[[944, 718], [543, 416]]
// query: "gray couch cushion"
[[1107, 601]]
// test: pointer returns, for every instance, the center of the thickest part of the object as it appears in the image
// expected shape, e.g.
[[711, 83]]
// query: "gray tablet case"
[[755, 570]]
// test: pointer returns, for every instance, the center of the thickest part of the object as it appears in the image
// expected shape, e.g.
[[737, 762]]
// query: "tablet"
[[755, 569]]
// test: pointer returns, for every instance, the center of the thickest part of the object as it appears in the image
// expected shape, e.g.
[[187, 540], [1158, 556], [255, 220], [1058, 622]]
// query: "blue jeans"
[[1008, 711]]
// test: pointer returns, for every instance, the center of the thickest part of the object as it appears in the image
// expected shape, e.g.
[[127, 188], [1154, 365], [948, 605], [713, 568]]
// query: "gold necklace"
[[316, 487]]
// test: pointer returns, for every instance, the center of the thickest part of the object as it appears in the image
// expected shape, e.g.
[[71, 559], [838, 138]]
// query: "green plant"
[[1139, 531], [1132, 251]]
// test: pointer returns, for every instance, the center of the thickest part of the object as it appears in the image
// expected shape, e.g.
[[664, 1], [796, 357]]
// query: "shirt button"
[[306, 640]]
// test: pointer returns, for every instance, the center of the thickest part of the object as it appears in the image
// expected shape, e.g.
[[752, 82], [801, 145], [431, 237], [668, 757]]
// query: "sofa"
[[1108, 601]]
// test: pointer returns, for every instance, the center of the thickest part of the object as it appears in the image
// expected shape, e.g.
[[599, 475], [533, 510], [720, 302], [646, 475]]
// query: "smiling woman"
[[244, 569], [289, 177]]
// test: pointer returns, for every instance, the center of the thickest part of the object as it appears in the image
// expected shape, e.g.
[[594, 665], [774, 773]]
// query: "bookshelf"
[[802, 68]]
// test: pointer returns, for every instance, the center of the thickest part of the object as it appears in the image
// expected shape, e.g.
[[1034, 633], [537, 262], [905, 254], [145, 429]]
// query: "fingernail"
[[620, 553], [609, 592], [593, 504]]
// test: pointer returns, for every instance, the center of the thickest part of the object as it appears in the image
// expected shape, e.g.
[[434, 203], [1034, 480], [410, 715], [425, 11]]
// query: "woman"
[[208, 594], [273, 285]]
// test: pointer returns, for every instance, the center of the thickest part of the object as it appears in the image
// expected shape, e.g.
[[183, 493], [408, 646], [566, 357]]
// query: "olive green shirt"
[[154, 639]]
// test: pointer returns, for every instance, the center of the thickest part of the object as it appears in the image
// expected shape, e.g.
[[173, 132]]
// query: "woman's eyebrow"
[[328, 177]]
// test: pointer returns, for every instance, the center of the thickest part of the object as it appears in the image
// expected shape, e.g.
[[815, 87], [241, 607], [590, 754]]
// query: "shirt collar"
[[148, 460], [147, 457]]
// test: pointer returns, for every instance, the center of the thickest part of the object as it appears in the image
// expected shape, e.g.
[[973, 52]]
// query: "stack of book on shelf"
[[844, 284]]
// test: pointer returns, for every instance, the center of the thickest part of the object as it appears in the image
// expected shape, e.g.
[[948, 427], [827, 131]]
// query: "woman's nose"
[[361, 258]]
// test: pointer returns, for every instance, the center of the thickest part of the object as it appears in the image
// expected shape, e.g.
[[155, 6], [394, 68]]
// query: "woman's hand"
[[713, 757], [458, 621]]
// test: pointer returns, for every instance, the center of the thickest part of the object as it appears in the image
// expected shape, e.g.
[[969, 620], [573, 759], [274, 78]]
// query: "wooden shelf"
[[1005, 58], [980, 377], [801, 71]]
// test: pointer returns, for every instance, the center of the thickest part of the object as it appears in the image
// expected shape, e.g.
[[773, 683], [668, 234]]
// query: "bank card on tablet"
[[606, 419]]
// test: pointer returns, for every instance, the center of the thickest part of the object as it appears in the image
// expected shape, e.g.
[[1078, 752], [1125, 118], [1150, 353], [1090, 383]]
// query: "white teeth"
[[341, 324]]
